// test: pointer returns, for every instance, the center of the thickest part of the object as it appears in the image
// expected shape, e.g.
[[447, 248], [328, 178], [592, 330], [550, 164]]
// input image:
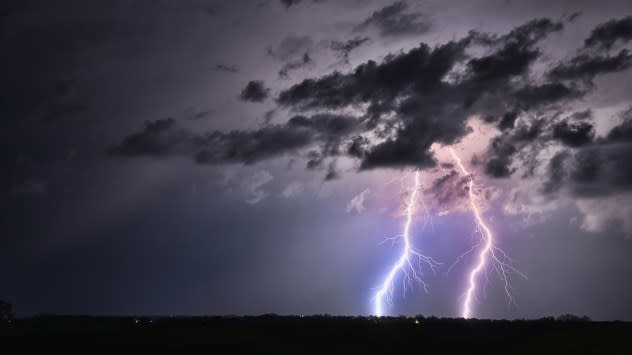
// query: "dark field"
[[314, 335]]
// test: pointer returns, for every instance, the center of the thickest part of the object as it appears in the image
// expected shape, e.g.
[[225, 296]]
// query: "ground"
[[314, 335]]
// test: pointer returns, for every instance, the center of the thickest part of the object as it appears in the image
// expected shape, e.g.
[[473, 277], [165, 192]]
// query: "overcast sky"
[[249, 157]]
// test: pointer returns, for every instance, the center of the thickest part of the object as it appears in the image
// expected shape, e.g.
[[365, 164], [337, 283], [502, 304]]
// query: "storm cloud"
[[427, 107], [164, 137], [255, 91], [415, 99], [598, 167], [607, 34], [158, 138], [587, 66]]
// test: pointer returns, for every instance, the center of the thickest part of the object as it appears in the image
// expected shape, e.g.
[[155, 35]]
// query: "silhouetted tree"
[[572, 318]]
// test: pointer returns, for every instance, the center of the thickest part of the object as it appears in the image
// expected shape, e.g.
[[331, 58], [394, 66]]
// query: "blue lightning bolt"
[[404, 264]]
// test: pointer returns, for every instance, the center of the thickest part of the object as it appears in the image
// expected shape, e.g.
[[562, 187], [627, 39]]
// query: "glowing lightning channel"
[[404, 263], [488, 250]]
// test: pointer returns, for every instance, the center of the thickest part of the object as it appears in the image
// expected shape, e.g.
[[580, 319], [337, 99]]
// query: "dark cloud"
[[601, 170], [314, 160], [268, 116], [164, 138], [398, 153], [273, 140], [325, 124], [536, 95], [574, 16], [623, 131], [503, 148], [226, 68], [556, 172], [332, 173], [394, 20], [521, 145], [508, 120], [587, 66], [595, 168], [291, 47], [290, 3], [294, 52], [255, 91], [581, 115], [607, 34], [516, 54], [448, 188], [202, 115], [428, 108], [371, 82], [574, 134], [415, 99], [306, 60], [158, 138], [574, 131], [250, 146], [342, 49], [498, 165], [357, 148], [511, 60]]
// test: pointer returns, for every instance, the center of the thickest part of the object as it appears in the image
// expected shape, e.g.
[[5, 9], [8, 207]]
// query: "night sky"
[[250, 157]]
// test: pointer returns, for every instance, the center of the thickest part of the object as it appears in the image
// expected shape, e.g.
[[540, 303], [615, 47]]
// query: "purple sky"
[[249, 157]]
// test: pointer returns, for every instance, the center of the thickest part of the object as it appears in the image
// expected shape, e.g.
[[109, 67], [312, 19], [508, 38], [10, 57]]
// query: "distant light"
[[417, 321]]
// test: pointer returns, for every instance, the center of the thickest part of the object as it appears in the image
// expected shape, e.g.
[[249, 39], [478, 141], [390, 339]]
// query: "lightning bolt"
[[487, 252], [404, 264]]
